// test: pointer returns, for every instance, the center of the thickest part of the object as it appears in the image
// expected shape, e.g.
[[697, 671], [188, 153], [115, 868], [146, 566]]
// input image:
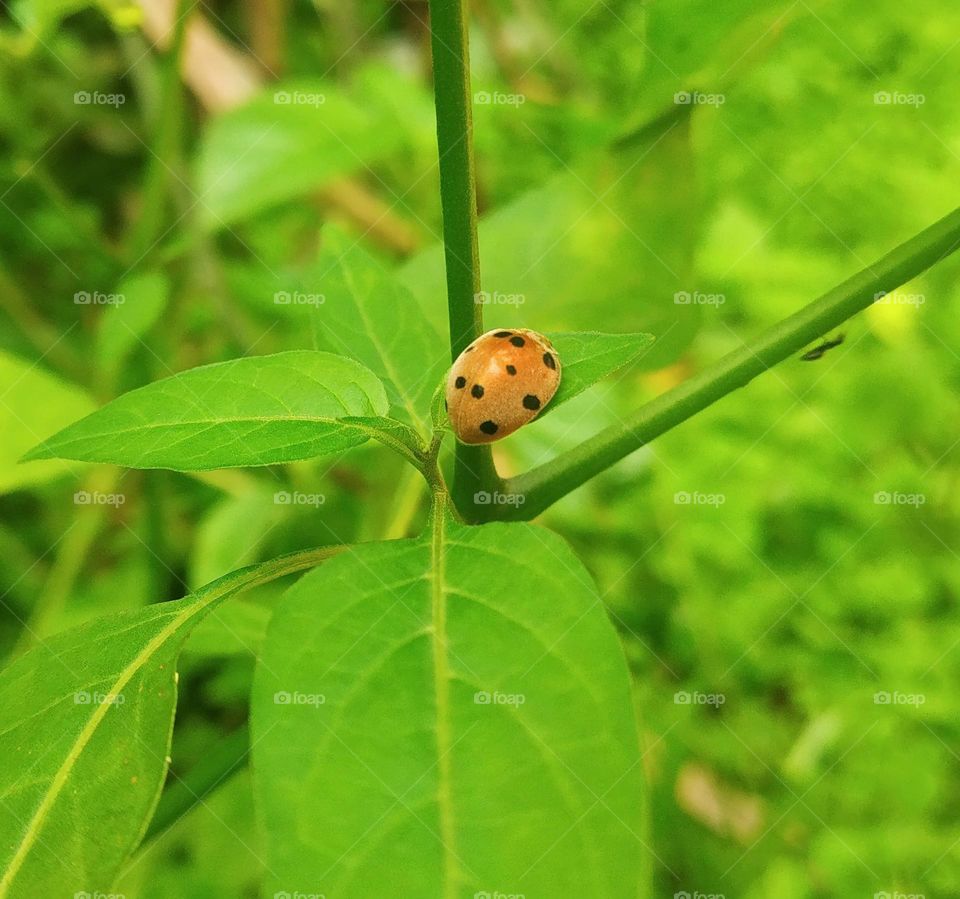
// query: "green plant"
[[466, 648]]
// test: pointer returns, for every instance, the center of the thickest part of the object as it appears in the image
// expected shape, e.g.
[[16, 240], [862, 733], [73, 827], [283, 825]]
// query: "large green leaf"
[[685, 61], [33, 405], [85, 722], [444, 717], [367, 314], [612, 241], [285, 142], [588, 357], [253, 411]]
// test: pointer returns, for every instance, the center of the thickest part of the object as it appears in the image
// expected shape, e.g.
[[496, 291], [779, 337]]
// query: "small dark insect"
[[818, 351]]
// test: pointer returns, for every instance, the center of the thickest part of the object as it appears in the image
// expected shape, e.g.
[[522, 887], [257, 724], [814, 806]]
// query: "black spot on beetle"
[[489, 427], [511, 369], [476, 391], [531, 402], [460, 383], [503, 333], [517, 341], [549, 361]]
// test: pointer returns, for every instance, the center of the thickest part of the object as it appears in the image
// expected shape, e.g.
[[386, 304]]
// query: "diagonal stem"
[[544, 485]]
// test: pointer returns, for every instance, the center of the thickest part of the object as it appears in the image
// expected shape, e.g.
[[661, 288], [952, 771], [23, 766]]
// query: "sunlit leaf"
[[33, 405]]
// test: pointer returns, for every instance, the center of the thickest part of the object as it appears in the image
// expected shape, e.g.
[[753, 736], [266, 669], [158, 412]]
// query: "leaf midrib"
[[52, 449], [441, 677]]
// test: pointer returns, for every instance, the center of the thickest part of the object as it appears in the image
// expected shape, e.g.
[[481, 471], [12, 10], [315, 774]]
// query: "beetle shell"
[[499, 383]]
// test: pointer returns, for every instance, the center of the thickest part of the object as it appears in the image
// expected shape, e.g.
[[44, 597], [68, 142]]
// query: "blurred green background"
[[773, 565]]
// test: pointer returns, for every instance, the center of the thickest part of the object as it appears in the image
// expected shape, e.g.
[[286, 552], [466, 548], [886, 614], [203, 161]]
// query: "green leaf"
[[284, 143], [368, 315], [123, 325], [253, 411], [370, 728], [612, 242], [33, 405], [589, 356], [85, 723], [705, 59]]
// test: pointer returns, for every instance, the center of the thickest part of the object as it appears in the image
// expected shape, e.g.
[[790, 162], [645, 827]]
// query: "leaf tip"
[[41, 451]]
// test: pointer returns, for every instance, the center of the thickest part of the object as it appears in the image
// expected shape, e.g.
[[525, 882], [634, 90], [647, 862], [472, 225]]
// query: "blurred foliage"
[[796, 593]]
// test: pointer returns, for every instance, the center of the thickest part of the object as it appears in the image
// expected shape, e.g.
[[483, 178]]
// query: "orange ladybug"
[[500, 383]]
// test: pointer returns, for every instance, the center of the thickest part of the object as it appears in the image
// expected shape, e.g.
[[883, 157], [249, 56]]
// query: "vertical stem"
[[166, 158], [73, 552], [451, 76], [473, 467]]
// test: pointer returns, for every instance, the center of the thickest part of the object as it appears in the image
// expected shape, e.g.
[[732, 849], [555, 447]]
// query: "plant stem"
[[473, 466], [544, 485], [72, 554], [166, 158]]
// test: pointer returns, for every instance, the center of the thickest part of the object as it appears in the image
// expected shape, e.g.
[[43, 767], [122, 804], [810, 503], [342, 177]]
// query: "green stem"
[[473, 466], [166, 155], [544, 485], [72, 554]]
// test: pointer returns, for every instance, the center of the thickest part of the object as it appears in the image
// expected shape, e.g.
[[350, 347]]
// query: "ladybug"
[[499, 383]]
